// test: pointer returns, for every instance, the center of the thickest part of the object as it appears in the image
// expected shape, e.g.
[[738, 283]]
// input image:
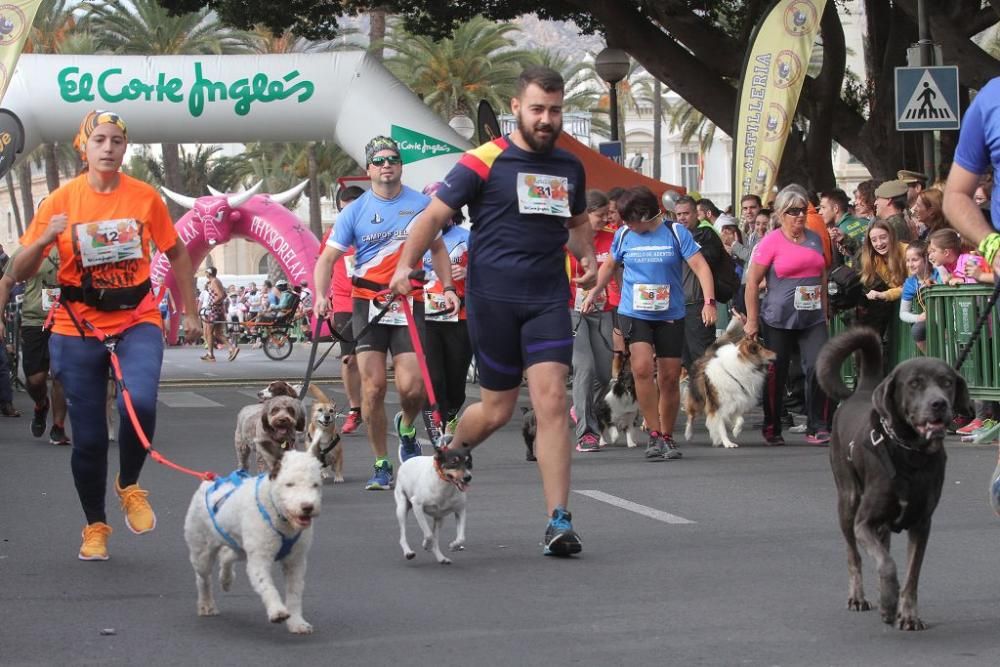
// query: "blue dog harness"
[[235, 480]]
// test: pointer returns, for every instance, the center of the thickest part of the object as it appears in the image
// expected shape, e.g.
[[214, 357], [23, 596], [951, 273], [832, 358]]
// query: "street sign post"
[[927, 99]]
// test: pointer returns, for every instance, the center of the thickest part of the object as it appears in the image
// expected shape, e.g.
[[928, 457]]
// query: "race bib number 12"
[[108, 241], [546, 195]]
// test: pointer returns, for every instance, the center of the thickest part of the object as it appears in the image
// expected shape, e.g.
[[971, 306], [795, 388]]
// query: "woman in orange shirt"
[[103, 224]]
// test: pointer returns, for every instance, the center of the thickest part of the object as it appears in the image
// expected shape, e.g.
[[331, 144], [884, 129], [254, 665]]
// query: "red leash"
[[110, 341], [411, 326]]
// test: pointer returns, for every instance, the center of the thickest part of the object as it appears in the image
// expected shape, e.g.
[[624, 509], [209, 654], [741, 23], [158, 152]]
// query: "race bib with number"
[[109, 241], [547, 195], [436, 308], [808, 297], [651, 298], [581, 295], [50, 295], [394, 317]]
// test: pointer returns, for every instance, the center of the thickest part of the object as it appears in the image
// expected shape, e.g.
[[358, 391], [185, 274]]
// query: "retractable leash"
[[110, 342], [417, 281]]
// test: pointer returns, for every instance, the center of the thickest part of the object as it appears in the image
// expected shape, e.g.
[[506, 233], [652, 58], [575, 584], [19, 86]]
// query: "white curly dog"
[[259, 519]]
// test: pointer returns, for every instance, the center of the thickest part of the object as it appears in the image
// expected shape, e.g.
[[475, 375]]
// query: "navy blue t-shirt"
[[519, 203]]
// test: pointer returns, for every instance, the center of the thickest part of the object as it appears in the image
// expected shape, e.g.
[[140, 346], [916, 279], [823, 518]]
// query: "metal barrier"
[[951, 316]]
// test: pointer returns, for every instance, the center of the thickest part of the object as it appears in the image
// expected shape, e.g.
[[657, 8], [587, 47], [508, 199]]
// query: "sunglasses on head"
[[379, 160], [795, 211]]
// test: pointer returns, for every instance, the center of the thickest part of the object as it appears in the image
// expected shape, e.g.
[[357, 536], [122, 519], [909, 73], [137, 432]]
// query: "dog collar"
[[286, 542], [333, 443], [444, 477]]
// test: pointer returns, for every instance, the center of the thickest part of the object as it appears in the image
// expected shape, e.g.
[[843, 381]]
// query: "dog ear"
[[264, 423], [300, 417], [884, 398], [962, 404]]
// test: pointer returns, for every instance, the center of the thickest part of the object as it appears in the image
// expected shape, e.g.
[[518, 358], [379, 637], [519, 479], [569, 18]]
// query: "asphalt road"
[[756, 575]]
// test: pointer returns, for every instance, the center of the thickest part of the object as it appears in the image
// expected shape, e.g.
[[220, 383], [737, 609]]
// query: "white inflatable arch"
[[346, 97]]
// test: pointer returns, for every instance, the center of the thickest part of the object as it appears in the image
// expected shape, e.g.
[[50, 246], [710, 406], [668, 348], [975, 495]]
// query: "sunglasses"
[[795, 212], [379, 160]]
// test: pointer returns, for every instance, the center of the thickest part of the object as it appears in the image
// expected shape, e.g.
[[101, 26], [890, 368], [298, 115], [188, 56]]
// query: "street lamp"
[[612, 65], [464, 125]]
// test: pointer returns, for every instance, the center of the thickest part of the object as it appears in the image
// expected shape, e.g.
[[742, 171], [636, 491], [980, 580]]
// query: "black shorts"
[[509, 337], [667, 338], [34, 350], [342, 323], [382, 337]]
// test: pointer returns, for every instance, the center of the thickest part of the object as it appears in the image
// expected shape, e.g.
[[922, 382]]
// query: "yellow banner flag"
[[16, 17], [773, 73]]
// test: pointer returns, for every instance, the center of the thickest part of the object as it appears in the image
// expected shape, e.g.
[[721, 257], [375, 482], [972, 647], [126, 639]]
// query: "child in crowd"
[[944, 250], [911, 306], [883, 271]]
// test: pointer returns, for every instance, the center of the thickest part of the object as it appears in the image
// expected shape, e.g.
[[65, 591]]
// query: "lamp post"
[[612, 65]]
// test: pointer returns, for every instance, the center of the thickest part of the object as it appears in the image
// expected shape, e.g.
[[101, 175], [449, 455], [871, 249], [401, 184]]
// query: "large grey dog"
[[888, 460]]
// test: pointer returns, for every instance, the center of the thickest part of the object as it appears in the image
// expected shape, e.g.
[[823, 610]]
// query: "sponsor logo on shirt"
[[378, 219]]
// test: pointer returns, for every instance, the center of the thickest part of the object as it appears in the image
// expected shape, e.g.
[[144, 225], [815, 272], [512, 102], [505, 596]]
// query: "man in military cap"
[[890, 206], [915, 184]]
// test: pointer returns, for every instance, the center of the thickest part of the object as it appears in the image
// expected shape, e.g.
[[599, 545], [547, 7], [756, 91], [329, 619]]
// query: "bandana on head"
[[90, 123], [379, 143]]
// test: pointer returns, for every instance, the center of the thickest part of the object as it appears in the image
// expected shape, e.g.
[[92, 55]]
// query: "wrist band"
[[450, 288], [989, 246]]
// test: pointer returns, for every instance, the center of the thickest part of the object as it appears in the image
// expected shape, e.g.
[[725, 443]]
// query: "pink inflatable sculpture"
[[214, 220]]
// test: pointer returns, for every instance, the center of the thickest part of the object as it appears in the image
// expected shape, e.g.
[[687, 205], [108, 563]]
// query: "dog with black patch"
[[888, 459]]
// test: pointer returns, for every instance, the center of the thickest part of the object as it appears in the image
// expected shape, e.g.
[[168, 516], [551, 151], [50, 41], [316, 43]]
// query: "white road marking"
[[659, 515], [186, 399]]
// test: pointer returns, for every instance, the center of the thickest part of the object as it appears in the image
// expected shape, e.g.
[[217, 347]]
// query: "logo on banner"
[[777, 122], [112, 87], [787, 69], [12, 24], [766, 170], [800, 18], [415, 146]]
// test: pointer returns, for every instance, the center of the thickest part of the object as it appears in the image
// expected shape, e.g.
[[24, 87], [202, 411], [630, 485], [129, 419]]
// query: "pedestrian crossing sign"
[[927, 98]]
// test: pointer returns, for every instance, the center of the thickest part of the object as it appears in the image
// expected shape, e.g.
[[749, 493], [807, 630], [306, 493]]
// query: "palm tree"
[[452, 75], [145, 27], [54, 22]]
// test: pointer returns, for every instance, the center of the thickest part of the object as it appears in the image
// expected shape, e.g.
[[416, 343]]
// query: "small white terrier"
[[259, 519], [434, 486]]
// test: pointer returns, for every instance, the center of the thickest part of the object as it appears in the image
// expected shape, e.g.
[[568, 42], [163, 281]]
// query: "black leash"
[[978, 328]]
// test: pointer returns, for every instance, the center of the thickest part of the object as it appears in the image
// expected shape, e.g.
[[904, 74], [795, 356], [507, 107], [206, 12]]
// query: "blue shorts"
[[509, 337]]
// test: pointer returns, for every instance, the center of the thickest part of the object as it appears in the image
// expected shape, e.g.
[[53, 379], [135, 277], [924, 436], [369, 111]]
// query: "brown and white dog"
[[279, 388], [268, 429], [725, 383], [618, 411], [321, 434]]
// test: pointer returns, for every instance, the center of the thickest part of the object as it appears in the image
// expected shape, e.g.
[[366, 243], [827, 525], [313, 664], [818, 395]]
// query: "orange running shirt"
[[127, 223]]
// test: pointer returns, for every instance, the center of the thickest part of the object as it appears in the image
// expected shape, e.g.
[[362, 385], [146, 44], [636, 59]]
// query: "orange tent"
[[604, 173]]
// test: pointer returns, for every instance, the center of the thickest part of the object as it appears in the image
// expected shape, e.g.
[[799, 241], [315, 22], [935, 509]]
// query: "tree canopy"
[[697, 49]]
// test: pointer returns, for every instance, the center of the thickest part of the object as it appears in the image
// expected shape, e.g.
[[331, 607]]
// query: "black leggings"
[[449, 354], [782, 342]]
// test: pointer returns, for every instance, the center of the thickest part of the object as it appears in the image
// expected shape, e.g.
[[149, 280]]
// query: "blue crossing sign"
[[927, 98]]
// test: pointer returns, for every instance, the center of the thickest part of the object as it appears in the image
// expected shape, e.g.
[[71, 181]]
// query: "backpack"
[[844, 288], [724, 277]]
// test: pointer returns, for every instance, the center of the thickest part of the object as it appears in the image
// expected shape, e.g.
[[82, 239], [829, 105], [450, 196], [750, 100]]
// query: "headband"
[[90, 123]]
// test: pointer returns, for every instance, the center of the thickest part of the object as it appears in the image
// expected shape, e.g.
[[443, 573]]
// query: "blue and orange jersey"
[[456, 242], [519, 202], [377, 229]]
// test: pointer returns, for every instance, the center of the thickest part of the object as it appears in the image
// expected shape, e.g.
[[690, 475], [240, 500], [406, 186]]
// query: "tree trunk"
[[24, 183], [376, 33], [12, 193], [657, 127], [51, 167], [315, 213], [172, 178]]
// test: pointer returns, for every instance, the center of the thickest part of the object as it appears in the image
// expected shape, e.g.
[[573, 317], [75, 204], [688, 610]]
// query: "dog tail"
[[862, 340]]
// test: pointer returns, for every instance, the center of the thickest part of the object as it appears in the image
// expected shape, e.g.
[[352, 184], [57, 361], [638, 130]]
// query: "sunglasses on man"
[[379, 160]]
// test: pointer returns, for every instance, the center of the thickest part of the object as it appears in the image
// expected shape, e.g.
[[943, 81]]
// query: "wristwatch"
[[709, 302]]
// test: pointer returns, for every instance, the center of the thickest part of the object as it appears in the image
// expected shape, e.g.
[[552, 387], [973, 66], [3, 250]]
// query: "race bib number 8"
[[651, 298], [808, 298], [108, 241], [546, 195]]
